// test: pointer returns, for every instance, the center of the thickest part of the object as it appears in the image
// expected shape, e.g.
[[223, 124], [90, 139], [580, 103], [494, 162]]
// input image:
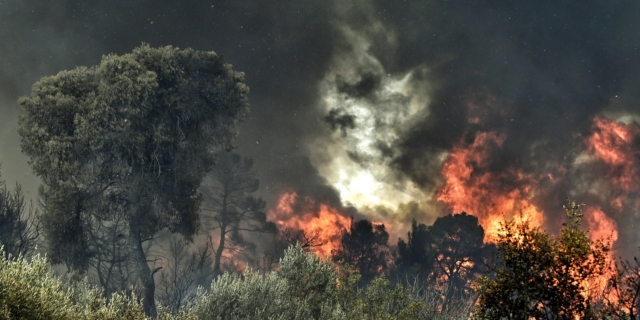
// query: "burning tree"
[[543, 277], [136, 133]]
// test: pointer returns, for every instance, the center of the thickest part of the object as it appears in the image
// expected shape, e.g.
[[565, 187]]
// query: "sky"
[[375, 106]]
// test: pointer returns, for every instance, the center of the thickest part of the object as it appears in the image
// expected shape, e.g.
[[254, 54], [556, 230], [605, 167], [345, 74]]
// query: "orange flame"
[[470, 187], [601, 227], [613, 144], [325, 221]]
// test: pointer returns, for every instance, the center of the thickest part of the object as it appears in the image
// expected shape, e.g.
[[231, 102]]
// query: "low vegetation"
[[304, 287]]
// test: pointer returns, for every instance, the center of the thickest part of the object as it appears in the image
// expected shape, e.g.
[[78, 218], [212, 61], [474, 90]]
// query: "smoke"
[[364, 105]]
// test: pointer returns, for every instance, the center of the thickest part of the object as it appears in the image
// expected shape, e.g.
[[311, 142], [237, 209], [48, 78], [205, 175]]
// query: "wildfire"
[[471, 187], [613, 144], [324, 221]]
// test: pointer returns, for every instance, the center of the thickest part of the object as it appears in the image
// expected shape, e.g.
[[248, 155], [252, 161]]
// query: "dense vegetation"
[[139, 199], [305, 287]]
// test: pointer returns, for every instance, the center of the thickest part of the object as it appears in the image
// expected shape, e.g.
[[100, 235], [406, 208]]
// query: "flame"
[[613, 144], [601, 227], [322, 220], [472, 188]]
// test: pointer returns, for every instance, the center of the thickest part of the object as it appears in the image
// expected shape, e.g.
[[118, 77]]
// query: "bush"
[[28, 290], [306, 287], [303, 288]]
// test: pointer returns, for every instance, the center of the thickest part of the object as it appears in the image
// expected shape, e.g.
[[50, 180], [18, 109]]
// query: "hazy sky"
[[360, 102]]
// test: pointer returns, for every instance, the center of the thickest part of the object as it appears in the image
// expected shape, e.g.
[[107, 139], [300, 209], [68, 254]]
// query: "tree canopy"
[[365, 247], [543, 277], [449, 254], [133, 135]]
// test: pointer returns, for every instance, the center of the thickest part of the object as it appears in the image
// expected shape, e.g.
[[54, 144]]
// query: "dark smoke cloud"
[[282, 46], [537, 72]]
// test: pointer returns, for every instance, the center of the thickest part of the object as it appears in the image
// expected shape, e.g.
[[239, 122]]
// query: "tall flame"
[[471, 187], [321, 220]]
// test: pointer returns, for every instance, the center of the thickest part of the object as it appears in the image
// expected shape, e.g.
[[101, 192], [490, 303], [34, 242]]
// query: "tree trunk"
[[142, 268], [216, 264]]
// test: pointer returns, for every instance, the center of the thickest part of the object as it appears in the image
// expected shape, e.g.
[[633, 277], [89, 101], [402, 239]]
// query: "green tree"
[[230, 209], [543, 277], [134, 135]]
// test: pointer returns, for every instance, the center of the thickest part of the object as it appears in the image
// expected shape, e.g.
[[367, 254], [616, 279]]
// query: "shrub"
[[28, 290]]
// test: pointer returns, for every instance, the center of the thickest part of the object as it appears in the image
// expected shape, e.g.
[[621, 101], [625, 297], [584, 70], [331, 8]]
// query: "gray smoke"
[[378, 87]]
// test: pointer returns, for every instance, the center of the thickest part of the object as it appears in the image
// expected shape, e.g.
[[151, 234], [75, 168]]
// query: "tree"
[[364, 246], [449, 254], [111, 257], [458, 250], [623, 288], [181, 273], [19, 226], [415, 257], [135, 134], [230, 208], [306, 240], [543, 277]]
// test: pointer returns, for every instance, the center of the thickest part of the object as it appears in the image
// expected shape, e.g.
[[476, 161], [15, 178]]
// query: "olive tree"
[[134, 135]]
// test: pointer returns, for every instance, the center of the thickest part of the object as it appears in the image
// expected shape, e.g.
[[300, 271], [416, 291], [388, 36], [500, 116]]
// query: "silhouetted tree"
[[448, 254], [306, 240], [271, 247], [230, 209], [415, 257], [457, 245], [364, 246], [19, 225], [622, 300], [183, 271], [110, 257], [136, 132]]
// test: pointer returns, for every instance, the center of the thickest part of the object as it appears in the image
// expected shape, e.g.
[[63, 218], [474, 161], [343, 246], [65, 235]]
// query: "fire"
[[601, 227], [322, 220], [471, 187], [613, 144]]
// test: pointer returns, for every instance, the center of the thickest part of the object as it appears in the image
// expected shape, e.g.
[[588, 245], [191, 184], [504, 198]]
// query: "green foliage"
[[543, 277], [305, 287], [132, 136], [28, 290]]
